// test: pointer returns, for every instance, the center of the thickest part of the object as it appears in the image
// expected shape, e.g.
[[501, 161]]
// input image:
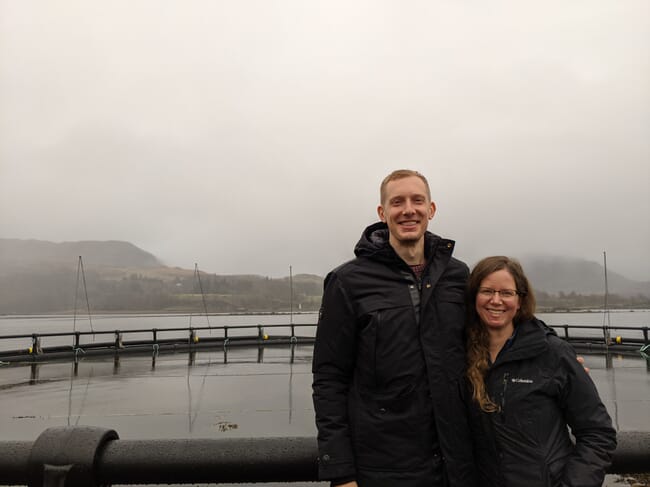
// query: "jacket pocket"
[[390, 431]]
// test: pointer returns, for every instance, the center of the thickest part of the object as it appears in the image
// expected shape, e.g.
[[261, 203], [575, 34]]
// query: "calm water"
[[252, 395]]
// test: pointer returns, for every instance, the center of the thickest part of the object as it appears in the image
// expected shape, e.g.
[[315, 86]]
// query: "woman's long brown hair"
[[477, 336]]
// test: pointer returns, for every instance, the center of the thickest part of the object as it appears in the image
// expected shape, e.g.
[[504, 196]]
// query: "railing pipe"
[[98, 457], [203, 460]]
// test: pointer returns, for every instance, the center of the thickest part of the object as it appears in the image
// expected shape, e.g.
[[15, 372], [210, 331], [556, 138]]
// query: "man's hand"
[[581, 360]]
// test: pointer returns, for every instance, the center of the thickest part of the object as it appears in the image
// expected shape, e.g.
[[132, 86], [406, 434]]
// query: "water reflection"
[[223, 392], [33, 376]]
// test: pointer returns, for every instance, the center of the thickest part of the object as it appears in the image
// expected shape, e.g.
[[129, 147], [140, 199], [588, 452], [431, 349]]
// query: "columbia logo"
[[521, 381]]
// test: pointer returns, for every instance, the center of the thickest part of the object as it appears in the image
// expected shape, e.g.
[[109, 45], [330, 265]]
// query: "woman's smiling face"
[[495, 310]]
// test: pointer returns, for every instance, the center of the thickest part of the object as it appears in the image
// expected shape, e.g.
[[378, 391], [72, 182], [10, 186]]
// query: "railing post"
[[36, 344], [566, 331], [118, 340], [77, 339], [645, 334]]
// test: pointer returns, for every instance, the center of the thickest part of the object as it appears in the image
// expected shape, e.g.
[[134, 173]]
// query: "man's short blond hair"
[[400, 174]]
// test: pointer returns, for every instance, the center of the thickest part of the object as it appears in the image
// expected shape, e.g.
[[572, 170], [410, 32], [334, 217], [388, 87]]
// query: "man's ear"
[[380, 212], [432, 210]]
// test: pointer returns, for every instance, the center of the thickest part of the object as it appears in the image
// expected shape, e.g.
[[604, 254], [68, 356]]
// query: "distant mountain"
[[41, 277], [562, 274], [35, 254]]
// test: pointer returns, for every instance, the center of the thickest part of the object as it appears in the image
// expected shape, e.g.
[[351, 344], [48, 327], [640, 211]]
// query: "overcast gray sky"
[[250, 135]]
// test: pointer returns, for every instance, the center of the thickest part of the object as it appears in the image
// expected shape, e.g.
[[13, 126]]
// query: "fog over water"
[[248, 136]]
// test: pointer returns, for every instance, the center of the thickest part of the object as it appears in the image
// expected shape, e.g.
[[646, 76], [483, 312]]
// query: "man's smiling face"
[[406, 210]]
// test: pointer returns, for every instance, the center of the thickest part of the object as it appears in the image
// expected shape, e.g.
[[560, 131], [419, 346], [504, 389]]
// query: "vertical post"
[[36, 344], [118, 340], [606, 334], [566, 331], [155, 348], [291, 295], [77, 336], [260, 346], [645, 335]]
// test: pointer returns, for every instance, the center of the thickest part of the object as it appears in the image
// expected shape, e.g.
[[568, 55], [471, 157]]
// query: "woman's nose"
[[496, 297]]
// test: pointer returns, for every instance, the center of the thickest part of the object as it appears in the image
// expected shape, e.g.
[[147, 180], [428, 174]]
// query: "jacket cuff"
[[342, 480], [335, 469]]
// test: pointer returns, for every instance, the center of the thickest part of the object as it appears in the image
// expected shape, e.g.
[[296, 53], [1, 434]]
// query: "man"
[[389, 354]]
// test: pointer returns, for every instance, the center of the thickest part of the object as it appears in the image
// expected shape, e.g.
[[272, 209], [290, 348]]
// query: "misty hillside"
[[41, 277], [552, 274], [34, 254], [561, 274]]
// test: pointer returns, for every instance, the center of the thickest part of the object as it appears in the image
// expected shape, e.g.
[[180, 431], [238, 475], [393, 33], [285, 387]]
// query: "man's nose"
[[408, 207]]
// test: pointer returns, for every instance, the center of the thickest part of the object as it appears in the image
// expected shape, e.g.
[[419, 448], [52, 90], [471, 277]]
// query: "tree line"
[[57, 291]]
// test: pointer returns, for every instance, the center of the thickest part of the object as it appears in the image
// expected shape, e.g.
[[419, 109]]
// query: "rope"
[[205, 307], [83, 276]]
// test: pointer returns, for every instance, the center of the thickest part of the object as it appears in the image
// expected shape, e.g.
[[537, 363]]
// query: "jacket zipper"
[[503, 393]]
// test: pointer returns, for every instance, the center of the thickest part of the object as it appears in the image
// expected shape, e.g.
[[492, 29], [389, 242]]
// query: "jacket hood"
[[374, 243]]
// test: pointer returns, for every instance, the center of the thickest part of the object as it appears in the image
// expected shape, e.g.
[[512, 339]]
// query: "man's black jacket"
[[388, 368]]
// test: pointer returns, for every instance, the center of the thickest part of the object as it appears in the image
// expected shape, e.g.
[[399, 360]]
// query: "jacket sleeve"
[[590, 424], [333, 367]]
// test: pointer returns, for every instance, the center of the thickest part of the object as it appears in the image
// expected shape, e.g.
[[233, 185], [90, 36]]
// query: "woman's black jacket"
[[388, 368], [541, 388]]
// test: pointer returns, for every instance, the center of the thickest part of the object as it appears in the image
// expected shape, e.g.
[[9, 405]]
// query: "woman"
[[526, 387]]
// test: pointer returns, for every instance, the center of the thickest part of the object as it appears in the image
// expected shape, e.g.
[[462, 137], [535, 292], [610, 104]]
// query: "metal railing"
[[607, 341], [186, 338], [189, 338], [607, 333], [89, 456]]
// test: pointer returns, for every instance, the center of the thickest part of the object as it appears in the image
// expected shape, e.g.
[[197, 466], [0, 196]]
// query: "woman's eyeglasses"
[[486, 292]]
